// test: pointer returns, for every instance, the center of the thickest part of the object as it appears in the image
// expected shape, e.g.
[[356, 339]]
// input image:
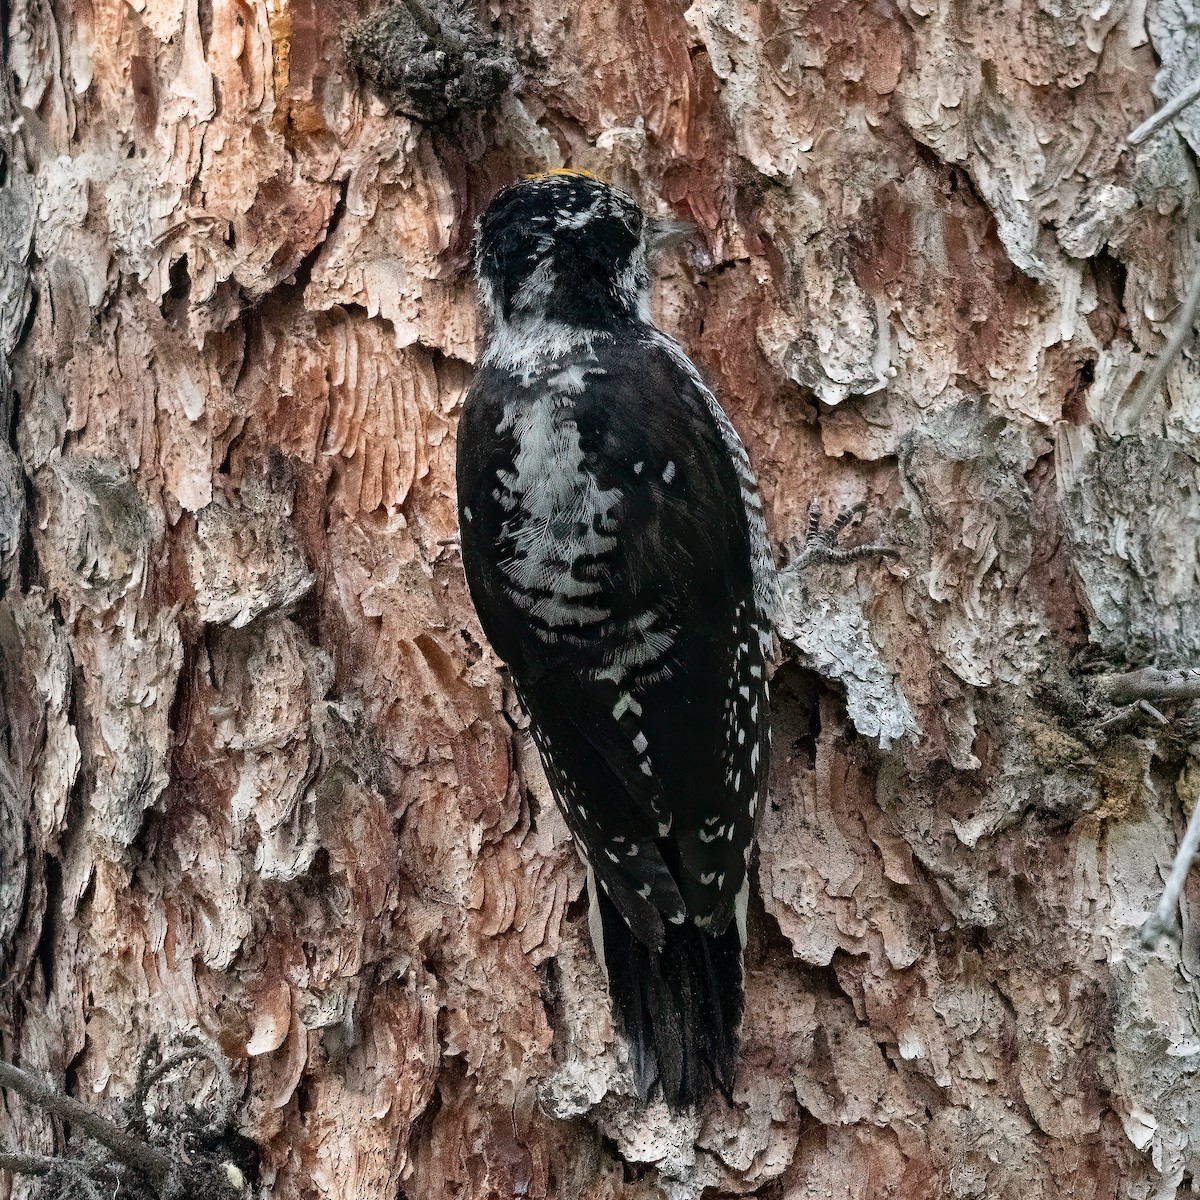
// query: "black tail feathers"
[[680, 1007]]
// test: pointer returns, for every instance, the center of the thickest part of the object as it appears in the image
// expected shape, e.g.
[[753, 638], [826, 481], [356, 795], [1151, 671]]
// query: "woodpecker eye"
[[634, 221]]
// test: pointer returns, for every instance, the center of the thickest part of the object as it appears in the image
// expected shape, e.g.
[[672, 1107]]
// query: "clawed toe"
[[820, 545]]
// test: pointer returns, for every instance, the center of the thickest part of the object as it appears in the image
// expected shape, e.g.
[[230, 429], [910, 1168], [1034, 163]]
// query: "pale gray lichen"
[[826, 624]]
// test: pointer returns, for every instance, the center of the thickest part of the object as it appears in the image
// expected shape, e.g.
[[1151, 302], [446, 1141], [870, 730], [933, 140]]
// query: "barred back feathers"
[[615, 549]]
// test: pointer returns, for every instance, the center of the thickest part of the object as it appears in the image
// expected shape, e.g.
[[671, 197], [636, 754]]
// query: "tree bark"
[[261, 777]]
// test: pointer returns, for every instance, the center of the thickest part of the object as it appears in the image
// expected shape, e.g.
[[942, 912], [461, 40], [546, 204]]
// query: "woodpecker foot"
[[820, 545]]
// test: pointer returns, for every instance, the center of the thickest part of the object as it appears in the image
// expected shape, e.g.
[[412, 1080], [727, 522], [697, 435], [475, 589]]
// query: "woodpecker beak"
[[663, 234]]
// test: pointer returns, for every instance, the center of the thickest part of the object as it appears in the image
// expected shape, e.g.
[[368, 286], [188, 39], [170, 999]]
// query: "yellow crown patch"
[[565, 171]]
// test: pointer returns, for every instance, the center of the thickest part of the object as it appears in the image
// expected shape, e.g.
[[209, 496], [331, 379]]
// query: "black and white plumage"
[[615, 549]]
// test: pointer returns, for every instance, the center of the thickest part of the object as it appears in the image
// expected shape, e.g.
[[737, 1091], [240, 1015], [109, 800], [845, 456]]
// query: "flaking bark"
[[259, 776]]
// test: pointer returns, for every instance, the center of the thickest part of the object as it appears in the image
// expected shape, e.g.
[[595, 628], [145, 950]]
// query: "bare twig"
[[146, 1160], [1164, 920], [1116, 720], [1149, 683], [1162, 364], [27, 1164], [1171, 109]]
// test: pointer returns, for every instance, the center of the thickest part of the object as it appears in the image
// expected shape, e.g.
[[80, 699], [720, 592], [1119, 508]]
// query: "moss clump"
[[430, 59]]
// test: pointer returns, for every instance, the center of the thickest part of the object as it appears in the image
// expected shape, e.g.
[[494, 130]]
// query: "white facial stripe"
[[537, 288], [633, 284]]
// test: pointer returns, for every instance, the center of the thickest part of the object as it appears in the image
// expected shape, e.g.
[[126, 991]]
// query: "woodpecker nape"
[[614, 545]]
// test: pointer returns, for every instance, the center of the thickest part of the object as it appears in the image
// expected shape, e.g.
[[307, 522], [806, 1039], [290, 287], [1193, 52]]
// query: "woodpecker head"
[[570, 248]]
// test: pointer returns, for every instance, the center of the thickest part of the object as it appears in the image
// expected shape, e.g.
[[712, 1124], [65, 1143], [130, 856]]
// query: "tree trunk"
[[261, 777]]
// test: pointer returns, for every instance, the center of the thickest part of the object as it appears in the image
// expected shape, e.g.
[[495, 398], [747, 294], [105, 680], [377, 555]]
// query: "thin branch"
[[153, 1164], [1149, 683], [1164, 920], [28, 1164], [1162, 364], [31, 1164], [1173, 108], [1116, 720]]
